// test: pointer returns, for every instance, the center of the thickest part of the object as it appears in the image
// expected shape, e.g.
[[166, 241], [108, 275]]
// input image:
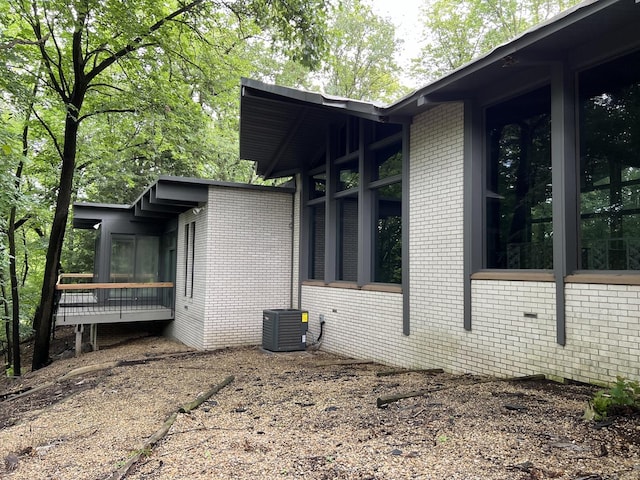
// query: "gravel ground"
[[304, 415]]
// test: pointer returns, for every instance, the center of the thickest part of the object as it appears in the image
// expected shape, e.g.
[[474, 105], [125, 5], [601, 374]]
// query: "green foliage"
[[455, 32], [360, 62], [622, 397]]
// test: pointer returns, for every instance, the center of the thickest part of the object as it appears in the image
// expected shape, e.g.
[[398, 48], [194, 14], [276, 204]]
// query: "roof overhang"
[[283, 128], [606, 26], [165, 199]]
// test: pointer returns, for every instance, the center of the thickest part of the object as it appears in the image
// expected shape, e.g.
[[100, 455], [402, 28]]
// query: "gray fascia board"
[[526, 39], [145, 205], [180, 193], [347, 105]]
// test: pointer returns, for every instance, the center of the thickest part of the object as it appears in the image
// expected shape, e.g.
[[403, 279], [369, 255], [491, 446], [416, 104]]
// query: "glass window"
[[348, 175], [388, 161], [316, 263], [388, 234], [378, 184], [187, 247], [147, 259], [318, 185], [134, 258], [609, 102], [348, 239], [122, 258], [518, 183]]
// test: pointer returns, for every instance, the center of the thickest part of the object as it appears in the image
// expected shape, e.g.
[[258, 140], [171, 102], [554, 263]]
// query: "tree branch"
[[137, 42], [19, 41], [50, 132], [63, 80], [108, 110], [41, 40]]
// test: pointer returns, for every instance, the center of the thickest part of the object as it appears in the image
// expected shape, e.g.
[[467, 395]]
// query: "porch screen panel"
[[609, 101]]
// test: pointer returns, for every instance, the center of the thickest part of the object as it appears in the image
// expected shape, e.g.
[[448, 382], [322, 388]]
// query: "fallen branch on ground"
[[429, 371], [382, 401], [94, 368], [122, 472], [344, 362]]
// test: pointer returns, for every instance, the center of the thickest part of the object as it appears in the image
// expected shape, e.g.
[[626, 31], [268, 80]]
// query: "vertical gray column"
[[564, 180], [304, 239], [331, 240], [406, 284], [365, 206], [473, 201]]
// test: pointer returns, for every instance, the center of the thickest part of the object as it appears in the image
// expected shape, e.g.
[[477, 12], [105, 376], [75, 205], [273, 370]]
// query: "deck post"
[[93, 336], [79, 331]]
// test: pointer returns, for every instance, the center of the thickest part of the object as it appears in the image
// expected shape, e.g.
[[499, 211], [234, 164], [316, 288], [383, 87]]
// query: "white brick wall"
[[506, 342], [602, 321], [242, 266], [188, 326], [359, 323], [603, 331], [249, 264]]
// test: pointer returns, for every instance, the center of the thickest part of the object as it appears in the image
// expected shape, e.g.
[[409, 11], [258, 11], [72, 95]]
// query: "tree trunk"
[[15, 297], [7, 324], [44, 314], [13, 258]]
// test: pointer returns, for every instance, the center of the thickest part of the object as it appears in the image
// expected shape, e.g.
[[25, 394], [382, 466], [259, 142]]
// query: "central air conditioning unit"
[[284, 330]]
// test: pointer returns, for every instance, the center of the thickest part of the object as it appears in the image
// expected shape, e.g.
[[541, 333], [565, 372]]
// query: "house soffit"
[[283, 129]]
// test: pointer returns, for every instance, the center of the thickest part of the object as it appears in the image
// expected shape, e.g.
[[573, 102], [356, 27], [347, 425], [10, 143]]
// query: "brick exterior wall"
[[243, 261], [249, 267], [603, 331], [513, 322], [188, 326]]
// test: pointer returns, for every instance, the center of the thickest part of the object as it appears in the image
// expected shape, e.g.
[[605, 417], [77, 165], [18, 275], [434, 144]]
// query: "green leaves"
[[455, 32]]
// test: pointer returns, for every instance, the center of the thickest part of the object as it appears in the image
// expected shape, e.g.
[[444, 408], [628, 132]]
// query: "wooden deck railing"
[[117, 301]]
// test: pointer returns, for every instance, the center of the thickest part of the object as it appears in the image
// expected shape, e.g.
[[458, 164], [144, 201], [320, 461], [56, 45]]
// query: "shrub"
[[623, 397]]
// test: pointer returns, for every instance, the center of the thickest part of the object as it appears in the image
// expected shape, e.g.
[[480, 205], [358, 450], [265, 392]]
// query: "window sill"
[[605, 278], [371, 287], [518, 276]]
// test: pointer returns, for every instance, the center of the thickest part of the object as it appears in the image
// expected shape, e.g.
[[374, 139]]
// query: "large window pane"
[[122, 258], [348, 239], [388, 234], [518, 196], [147, 258], [610, 165]]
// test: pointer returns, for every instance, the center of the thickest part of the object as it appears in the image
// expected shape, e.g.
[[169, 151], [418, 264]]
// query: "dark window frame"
[[372, 137]]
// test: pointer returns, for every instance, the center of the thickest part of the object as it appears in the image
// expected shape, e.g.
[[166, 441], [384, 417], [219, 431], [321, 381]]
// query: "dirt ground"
[[307, 415]]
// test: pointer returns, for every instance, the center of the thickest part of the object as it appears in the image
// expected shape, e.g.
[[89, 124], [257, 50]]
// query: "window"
[[609, 129], [388, 234], [193, 256], [364, 196], [186, 259], [348, 239], [189, 257], [518, 183], [134, 258], [316, 268]]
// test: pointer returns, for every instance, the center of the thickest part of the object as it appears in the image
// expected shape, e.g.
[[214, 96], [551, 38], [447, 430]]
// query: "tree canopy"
[[149, 70], [457, 31]]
